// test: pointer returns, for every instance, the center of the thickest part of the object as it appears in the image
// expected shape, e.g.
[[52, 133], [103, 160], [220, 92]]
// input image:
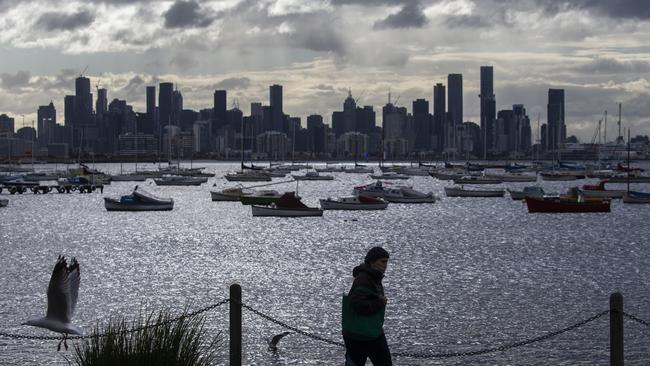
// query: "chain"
[[292, 328], [504, 347], [137, 329], [632, 317]]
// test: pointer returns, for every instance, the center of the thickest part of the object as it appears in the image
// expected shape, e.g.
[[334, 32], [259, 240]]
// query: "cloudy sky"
[[597, 50]]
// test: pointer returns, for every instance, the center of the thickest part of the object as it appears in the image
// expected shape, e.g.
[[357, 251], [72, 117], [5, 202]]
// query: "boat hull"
[[115, 205], [555, 205], [459, 192], [258, 200], [219, 196], [337, 205], [260, 211], [636, 197]]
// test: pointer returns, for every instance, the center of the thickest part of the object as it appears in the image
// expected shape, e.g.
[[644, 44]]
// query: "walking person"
[[363, 313]]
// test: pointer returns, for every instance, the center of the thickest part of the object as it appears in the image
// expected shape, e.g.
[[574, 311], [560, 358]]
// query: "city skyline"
[[317, 50]]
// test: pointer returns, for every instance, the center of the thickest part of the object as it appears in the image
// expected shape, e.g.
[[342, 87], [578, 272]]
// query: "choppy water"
[[465, 274]]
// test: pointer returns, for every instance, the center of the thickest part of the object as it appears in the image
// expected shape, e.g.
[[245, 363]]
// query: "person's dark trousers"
[[356, 352]]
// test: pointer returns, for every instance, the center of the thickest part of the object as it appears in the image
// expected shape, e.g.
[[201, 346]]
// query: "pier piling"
[[235, 325], [616, 329]]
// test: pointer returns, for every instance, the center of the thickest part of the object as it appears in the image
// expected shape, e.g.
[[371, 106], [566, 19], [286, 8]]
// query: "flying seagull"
[[61, 300], [273, 342]]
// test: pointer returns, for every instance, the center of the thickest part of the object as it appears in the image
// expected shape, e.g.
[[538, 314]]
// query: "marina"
[[465, 274]]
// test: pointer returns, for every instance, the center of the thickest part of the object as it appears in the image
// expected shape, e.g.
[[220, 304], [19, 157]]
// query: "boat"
[[636, 197], [476, 179], [289, 205], [403, 194], [462, 192], [513, 177], [561, 176], [3, 202], [445, 174], [390, 176], [558, 204], [248, 176], [261, 197], [179, 180], [358, 168], [230, 194], [630, 177], [139, 200], [312, 176], [375, 189], [531, 191], [598, 190], [360, 202], [129, 177]]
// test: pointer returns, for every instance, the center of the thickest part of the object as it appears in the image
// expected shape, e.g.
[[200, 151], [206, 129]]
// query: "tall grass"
[[159, 341]]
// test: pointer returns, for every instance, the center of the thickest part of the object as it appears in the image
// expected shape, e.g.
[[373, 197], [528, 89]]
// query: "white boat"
[[229, 194], [312, 176], [289, 205], [3, 202], [461, 192], [598, 190], [389, 176], [636, 197], [179, 180], [248, 176], [375, 189], [361, 202], [532, 191], [129, 177], [404, 194], [446, 174], [476, 179], [139, 200]]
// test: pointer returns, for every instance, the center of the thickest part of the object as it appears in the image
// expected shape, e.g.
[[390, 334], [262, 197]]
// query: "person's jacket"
[[366, 290]]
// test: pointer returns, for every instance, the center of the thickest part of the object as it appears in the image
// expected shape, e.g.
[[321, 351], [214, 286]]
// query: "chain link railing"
[[133, 330], [634, 318]]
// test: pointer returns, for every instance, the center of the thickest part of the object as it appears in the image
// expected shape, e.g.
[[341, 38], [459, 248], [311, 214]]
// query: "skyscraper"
[[275, 98], [488, 106], [83, 109], [422, 121], [101, 105], [219, 110], [349, 113], [165, 103], [439, 117], [455, 98], [152, 122], [45, 122], [555, 115]]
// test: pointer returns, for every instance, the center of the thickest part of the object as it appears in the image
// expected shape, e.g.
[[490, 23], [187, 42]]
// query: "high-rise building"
[[422, 122], [83, 130], [316, 131], [488, 106], [45, 122], [7, 125], [349, 113], [177, 107], [219, 109], [555, 118], [275, 98], [455, 98], [440, 126], [101, 105], [165, 103], [151, 127]]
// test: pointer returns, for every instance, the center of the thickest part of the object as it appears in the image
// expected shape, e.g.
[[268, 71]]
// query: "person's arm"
[[363, 299]]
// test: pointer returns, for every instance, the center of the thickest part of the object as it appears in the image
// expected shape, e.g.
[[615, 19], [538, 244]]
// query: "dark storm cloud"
[[17, 80], [612, 66], [634, 9], [233, 83], [54, 21], [410, 16], [186, 14]]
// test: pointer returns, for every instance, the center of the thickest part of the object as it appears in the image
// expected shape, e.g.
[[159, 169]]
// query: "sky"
[[597, 50]]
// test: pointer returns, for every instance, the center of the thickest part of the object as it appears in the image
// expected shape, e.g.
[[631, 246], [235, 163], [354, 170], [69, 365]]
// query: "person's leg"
[[379, 353], [356, 352]]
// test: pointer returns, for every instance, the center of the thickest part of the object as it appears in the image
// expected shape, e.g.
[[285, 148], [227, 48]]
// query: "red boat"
[[555, 204], [622, 168]]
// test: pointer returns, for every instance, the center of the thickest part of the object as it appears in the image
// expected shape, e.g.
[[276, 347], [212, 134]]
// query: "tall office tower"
[[349, 113], [523, 131], [7, 125], [555, 115], [177, 107], [68, 113], [365, 119], [101, 105], [219, 108], [45, 122], [439, 118], [165, 104], [422, 121], [257, 118], [83, 109], [488, 106], [275, 97], [455, 98], [316, 132], [151, 126]]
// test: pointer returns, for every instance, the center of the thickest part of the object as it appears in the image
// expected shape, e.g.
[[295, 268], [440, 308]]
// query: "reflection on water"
[[465, 274]]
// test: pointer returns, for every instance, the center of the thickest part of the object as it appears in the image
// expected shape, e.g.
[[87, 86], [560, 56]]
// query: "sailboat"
[[633, 196], [246, 174]]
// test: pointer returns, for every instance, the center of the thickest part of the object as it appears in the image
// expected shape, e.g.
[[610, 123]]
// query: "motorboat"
[[129, 177], [561, 205], [446, 174], [230, 194], [415, 171], [636, 197], [513, 177], [4, 202], [476, 179], [633, 177], [179, 180], [561, 176], [139, 200], [289, 205], [389, 176], [375, 189], [531, 191], [403, 194], [462, 192], [186, 172], [360, 202], [261, 197], [248, 176], [312, 176], [598, 190]]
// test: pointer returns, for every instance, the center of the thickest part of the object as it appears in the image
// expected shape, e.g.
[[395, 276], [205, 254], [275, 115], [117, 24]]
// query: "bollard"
[[616, 329], [235, 325]]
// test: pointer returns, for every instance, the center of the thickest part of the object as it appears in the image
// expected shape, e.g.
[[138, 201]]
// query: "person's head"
[[377, 258]]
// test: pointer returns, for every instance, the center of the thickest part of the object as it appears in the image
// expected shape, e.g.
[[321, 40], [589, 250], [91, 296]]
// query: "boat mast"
[[619, 122]]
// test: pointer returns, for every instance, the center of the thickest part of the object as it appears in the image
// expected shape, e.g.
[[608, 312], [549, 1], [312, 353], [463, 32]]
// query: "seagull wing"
[[276, 338], [74, 278], [59, 293]]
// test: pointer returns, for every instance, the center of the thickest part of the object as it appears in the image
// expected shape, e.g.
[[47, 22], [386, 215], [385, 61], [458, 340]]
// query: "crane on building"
[[81, 74]]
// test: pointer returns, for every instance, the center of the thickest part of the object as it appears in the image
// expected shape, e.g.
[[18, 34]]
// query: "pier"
[[37, 188]]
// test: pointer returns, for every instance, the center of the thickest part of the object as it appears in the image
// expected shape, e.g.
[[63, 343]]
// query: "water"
[[465, 273]]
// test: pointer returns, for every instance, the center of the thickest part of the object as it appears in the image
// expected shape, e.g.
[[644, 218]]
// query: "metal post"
[[235, 325], [616, 329]]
